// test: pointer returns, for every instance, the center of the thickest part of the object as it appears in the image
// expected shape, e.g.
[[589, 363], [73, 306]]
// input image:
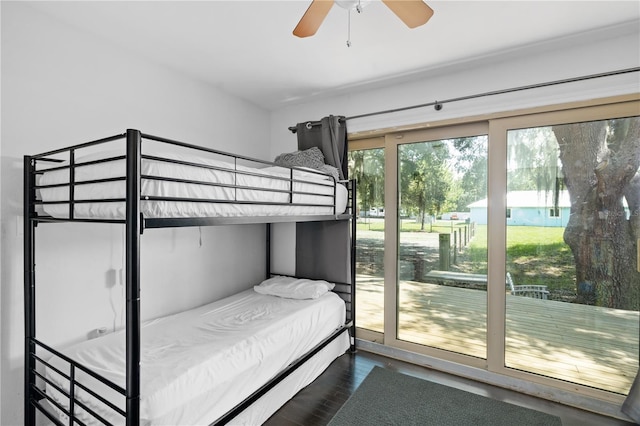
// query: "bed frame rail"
[[70, 391]]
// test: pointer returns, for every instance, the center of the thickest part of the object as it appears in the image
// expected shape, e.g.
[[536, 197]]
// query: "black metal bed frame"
[[135, 224]]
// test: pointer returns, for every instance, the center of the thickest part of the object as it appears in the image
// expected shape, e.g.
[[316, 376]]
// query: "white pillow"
[[294, 288]]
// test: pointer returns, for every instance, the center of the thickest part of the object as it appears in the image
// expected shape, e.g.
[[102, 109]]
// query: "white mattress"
[[313, 185], [196, 365]]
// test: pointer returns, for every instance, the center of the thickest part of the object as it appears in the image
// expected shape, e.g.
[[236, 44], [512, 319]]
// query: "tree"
[[543, 170], [367, 167], [601, 167], [425, 179], [472, 165]]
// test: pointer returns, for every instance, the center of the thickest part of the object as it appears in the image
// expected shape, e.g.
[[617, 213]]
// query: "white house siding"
[[528, 208]]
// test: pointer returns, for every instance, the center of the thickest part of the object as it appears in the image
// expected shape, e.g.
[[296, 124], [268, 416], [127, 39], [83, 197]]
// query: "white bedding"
[[219, 353], [321, 184]]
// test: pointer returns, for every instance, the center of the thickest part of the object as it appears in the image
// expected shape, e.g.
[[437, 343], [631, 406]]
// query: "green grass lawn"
[[535, 255]]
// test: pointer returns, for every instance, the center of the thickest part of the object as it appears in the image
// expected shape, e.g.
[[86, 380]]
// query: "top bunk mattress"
[[181, 186], [212, 356]]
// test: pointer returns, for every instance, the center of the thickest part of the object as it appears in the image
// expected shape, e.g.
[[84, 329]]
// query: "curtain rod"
[[438, 104]]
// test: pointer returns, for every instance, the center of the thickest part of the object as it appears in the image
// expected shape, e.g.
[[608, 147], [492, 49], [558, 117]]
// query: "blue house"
[[528, 208]]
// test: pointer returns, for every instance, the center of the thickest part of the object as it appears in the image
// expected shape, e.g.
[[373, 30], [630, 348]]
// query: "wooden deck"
[[589, 345]]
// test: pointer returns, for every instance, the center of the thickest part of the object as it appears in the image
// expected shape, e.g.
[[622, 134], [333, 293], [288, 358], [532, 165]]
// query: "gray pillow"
[[312, 158]]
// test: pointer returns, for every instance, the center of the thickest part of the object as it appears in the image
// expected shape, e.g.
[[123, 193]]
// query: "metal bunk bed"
[[136, 222]]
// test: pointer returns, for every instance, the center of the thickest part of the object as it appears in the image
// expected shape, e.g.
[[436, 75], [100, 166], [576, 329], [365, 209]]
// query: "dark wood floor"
[[317, 403]]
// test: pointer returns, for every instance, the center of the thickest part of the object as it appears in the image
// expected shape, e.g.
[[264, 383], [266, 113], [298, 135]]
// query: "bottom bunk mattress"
[[199, 364]]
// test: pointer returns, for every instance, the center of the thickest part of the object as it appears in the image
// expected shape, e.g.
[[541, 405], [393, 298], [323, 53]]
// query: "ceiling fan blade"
[[312, 18], [412, 12]]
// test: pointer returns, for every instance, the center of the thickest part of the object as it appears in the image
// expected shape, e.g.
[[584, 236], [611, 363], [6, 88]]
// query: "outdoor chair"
[[535, 291]]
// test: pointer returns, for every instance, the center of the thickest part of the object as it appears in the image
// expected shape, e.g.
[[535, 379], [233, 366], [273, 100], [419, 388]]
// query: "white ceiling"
[[247, 47]]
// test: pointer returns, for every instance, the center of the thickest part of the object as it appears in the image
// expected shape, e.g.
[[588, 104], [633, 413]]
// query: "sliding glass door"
[[442, 256]]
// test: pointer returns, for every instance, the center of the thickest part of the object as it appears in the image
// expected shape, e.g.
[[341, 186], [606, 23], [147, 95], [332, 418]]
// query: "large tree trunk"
[[601, 170]]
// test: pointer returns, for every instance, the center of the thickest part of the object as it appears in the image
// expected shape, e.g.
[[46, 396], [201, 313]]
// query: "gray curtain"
[[330, 135], [322, 248], [631, 405]]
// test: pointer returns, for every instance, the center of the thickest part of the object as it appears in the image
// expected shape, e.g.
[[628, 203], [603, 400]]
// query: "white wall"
[[61, 87]]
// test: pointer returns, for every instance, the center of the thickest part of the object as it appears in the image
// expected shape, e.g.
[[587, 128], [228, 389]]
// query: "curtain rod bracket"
[[310, 124]]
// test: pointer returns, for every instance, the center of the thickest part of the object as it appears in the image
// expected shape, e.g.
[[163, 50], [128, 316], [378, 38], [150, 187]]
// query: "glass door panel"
[[367, 167], [573, 293], [442, 252]]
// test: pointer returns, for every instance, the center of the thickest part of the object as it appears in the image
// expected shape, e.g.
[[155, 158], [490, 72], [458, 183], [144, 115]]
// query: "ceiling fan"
[[412, 12]]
